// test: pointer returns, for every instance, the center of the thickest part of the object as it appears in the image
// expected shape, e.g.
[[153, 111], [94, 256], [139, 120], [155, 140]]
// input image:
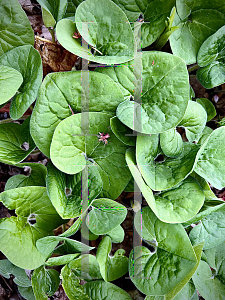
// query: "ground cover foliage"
[[129, 121]]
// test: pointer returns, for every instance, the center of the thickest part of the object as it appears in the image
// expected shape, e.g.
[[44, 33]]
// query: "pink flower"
[[103, 137]]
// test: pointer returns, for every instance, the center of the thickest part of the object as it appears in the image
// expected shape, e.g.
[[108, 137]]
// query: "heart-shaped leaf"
[[30, 204], [158, 272], [159, 172], [211, 58], [16, 142], [10, 81], [96, 143], [65, 191], [15, 26], [105, 27], [111, 267], [210, 164], [197, 20], [27, 61], [64, 90], [105, 215], [164, 98]]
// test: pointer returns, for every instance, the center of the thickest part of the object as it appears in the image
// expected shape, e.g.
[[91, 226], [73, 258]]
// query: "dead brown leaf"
[[54, 57]]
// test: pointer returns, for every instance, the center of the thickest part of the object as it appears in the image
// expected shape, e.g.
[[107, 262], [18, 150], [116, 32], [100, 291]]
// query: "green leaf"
[[71, 8], [198, 21], [86, 267], [65, 191], [60, 91], [123, 76], [26, 292], [167, 172], [116, 234], [14, 141], [208, 286], [156, 114], [185, 286], [71, 285], [194, 121], [105, 215], [215, 258], [30, 203], [21, 250], [44, 282], [155, 16], [52, 11], [208, 106], [104, 26], [114, 267], [171, 143], [211, 58], [209, 195], [27, 61], [160, 271], [104, 290], [47, 244], [61, 260], [210, 164], [36, 176], [167, 206], [211, 229], [130, 8], [181, 203], [15, 26], [204, 135], [71, 154], [7, 268], [122, 132], [209, 207], [188, 292], [86, 233], [10, 81]]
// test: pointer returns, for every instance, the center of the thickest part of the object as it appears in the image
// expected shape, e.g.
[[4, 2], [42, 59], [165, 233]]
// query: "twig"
[[6, 283]]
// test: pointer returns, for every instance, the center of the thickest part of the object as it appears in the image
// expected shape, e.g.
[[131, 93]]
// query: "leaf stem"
[[11, 120], [193, 68]]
